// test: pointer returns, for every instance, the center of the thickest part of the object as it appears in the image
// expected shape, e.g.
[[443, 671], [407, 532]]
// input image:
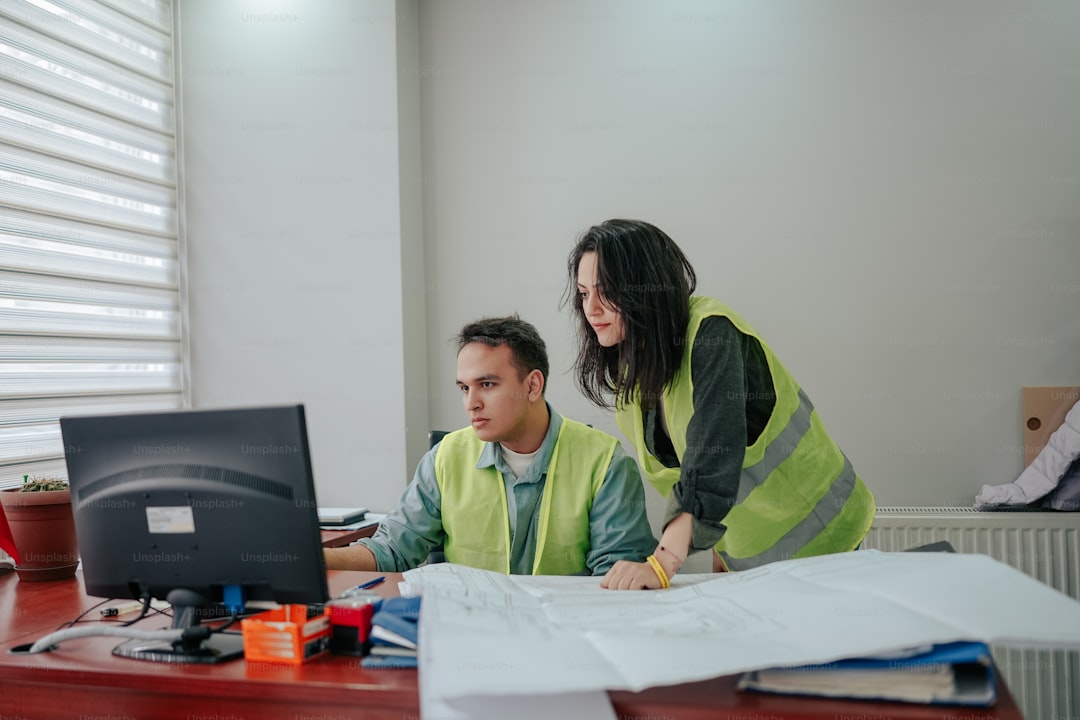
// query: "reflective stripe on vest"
[[798, 494], [474, 508]]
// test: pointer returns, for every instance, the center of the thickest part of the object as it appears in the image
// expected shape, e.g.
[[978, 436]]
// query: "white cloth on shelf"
[[1044, 473]]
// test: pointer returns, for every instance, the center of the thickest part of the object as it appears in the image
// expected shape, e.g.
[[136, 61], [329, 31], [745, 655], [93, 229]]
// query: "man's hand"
[[626, 575]]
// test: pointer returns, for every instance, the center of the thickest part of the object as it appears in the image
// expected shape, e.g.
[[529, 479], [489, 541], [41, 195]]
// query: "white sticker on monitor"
[[170, 520]]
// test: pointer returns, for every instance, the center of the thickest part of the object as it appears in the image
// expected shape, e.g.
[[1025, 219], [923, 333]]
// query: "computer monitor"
[[196, 507]]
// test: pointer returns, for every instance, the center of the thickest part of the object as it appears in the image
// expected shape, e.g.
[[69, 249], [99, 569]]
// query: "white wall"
[[888, 191], [295, 230]]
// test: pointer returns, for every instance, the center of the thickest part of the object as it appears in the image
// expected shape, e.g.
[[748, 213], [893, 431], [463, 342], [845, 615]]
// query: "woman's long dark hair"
[[644, 275]]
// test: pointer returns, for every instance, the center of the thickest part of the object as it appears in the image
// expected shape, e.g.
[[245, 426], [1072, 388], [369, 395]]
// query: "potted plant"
[[39, 514]]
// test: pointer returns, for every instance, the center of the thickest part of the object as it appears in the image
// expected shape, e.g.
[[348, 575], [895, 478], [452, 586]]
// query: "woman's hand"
[[626, 575]]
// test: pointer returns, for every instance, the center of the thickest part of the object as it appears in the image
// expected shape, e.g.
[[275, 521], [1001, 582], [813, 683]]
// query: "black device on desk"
[[196, 507]]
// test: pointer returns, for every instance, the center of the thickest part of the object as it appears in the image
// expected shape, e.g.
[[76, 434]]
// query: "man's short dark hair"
[[527, 349]]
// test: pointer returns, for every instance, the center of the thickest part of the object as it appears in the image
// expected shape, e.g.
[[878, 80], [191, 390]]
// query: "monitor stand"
[[197, 645]]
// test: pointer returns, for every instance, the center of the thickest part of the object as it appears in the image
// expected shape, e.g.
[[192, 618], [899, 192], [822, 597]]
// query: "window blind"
[[90, 290]]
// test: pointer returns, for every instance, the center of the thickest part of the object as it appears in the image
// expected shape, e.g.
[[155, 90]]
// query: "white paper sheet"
[[593, 705], [486, 634]]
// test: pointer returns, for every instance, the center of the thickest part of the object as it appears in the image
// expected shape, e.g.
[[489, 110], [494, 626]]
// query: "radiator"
[[1045, 545]]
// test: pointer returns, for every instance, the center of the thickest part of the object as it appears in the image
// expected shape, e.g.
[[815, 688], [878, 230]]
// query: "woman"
[[720, 427]]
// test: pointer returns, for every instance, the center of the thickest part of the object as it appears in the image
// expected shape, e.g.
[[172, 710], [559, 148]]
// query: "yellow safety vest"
[[798, 494], [474, 510]]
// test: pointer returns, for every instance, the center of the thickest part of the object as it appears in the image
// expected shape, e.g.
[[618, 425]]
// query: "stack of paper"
[[551, 635], [393, 634], [959, 673], [335, 516]]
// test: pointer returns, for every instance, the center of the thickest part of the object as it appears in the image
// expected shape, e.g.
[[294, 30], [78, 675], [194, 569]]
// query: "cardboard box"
[[1045, 409]]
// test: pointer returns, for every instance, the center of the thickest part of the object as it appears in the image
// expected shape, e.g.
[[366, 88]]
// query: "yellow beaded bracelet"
[[659, 570]]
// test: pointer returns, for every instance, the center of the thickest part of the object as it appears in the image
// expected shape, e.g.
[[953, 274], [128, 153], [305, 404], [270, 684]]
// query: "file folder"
[[957, 673]]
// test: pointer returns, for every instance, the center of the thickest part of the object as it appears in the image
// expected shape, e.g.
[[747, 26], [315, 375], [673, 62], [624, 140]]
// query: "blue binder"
[[401, 617], [388, 662], [393, 634], [916, 678]]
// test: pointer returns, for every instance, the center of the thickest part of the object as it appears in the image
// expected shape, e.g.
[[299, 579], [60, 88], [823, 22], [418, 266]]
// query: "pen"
[[370, 583], [129, 607]]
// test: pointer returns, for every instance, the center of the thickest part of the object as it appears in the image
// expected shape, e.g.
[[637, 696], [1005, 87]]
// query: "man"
[[522, 490]]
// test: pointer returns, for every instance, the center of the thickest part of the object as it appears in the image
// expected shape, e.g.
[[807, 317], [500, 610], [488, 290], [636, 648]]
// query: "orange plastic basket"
[[286, 634]]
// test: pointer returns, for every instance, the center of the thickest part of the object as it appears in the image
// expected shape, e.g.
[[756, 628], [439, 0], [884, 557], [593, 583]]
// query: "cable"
[[145, 599], [232, 619], [80, 616], [55, 638]]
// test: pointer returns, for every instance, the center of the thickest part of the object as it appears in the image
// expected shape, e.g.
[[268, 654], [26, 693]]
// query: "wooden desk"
[[82, 677], [341, 538]]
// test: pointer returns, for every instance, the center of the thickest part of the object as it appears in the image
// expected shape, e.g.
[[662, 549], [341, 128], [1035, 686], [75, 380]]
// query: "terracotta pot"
[[44, 532]]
